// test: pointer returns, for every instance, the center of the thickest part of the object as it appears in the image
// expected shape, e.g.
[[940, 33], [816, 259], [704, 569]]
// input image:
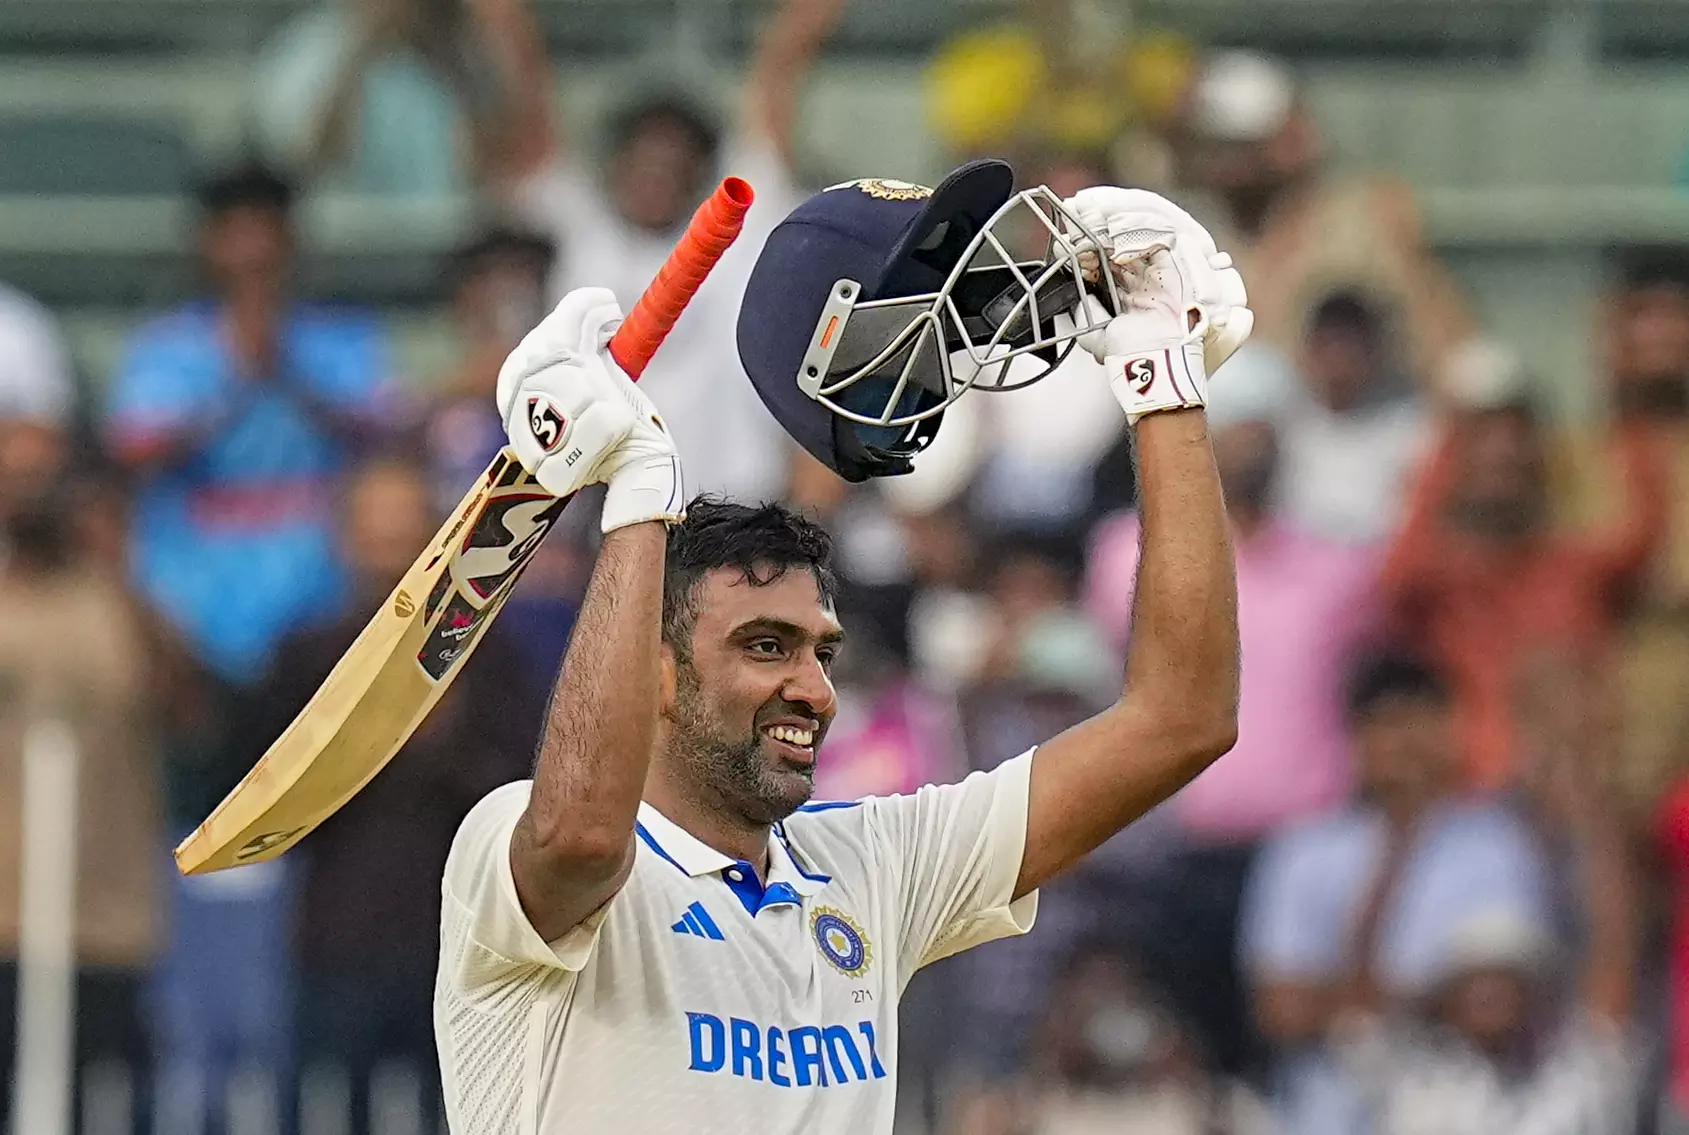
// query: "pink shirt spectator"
[[888, 740], [1304, 605]]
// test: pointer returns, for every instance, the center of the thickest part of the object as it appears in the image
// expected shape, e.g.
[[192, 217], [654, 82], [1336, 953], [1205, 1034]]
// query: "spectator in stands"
[[1493, 1055], [1112, 1056], [1647, 343], [37, 381], [616, 233], [1315, 906], [1526, 1024], [1305, 605], [1300, 232], [234, 414], [406, 97], [891, 733], [1480, 575], [498, 295], [369, 915], [1355, 439], [73, 655]]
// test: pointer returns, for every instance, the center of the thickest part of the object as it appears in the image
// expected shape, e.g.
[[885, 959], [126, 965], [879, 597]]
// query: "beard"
[[735, 770]]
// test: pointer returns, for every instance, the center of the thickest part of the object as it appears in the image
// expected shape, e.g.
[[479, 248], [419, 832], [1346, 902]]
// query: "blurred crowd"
[[1434, 889]]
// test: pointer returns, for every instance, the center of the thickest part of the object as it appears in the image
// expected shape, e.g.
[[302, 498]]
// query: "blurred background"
[[260, 261]]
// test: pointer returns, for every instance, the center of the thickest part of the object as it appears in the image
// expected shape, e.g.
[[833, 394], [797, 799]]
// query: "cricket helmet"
[[878, 303]]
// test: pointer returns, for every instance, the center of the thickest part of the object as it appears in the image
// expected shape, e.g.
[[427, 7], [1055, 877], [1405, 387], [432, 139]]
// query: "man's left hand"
[[1133, 223]]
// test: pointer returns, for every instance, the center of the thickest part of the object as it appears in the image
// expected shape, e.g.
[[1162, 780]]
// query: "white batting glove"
[[575, 419], [1152, 351], [1134, 222]]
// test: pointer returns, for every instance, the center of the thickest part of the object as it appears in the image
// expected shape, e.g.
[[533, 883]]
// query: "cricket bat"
[[412, 649]]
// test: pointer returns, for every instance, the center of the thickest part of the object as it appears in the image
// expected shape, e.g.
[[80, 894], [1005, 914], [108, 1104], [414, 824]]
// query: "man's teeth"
[[792, 735]]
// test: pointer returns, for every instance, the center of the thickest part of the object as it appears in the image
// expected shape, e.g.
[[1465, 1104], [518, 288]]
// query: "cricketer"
[[661, 931]]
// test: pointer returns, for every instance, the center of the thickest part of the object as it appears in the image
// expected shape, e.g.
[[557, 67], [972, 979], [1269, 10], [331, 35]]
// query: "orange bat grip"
[[714, 226]]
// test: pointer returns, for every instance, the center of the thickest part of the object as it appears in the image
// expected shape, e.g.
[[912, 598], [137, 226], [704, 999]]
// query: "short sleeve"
[[164, 386], [481, 909], [955, 850], [349, 362], [1286, 929]]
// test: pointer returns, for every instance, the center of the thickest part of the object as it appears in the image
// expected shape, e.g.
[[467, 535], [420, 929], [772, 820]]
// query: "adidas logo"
[[697, 921]]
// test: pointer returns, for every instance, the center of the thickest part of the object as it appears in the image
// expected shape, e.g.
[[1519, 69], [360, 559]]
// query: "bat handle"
[[713, 228]]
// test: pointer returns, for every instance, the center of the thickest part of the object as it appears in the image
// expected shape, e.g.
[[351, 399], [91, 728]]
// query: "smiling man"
[[660, 932]]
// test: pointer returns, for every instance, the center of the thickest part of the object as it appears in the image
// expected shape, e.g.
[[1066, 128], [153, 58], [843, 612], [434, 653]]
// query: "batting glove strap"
[[1152, 379], [647, 488], [643, 477]]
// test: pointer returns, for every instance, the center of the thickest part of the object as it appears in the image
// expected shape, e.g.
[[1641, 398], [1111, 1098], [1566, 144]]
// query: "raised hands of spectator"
[[516, 128], [785, 51]]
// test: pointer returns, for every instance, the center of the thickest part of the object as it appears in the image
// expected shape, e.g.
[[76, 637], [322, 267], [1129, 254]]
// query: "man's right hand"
[[575, 419]]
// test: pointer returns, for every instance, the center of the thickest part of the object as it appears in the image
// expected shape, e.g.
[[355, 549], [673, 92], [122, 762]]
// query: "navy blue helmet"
[[877, 303]]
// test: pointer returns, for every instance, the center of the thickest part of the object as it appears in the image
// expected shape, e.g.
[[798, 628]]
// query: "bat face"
[[380, 690]]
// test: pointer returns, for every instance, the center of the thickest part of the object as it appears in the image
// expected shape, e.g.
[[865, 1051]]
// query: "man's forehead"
[[730, 600]]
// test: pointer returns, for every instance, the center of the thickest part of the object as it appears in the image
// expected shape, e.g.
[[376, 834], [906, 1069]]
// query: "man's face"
[[1650, 344], [1501, 477], [753, 703], [248, 250], [1404, 748], [1339, 364], [655, 176], [1490, 1007]]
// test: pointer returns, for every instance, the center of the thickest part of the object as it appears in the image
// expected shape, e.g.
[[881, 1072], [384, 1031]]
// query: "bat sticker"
[[502, 538], [450, 637]]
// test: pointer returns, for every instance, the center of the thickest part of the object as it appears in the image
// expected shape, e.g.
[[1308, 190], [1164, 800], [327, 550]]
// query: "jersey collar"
[[789, 878]]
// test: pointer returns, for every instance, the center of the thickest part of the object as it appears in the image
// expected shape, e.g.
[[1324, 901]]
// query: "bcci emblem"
[[546, 424], [841, 941], [886, 189]]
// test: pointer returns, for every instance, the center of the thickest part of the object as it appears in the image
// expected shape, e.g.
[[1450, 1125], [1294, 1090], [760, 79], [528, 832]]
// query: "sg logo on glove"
[[546, 423], [1141, 373]]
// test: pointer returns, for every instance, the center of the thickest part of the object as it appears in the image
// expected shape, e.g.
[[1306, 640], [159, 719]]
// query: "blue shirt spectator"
[[1367, 902], [1468, 857], [237, 413]]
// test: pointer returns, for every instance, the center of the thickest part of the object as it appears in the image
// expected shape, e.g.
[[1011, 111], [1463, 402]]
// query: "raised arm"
[[525, 132], [574, 418], [574, 846], [785, 51], [1178, 711]]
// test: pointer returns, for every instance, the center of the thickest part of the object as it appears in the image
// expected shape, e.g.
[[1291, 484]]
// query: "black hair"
[[253, 185], [1653, 267], [498, 241], [1351, 312], [1394, 673], [666, 109], [761, 542]]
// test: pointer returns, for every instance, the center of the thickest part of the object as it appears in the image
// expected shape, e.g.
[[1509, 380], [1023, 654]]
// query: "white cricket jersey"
[[699, 999]]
